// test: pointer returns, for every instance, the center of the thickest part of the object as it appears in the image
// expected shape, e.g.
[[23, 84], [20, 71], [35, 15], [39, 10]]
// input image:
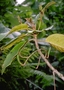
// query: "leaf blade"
[[3, 35], [11, 55], [10, 44], [18, 28], [56, 41]]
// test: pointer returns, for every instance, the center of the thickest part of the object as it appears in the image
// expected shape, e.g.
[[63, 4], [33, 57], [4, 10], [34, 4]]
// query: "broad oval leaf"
[[18, 27], [11, 55], [57, 41]]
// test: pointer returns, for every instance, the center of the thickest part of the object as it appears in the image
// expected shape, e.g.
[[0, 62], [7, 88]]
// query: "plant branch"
[[38, 62], [23, 64], [54, 80], [47, 62]]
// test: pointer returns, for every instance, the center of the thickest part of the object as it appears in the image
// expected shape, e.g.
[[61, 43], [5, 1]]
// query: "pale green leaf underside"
[[3, 35], [57, 41]]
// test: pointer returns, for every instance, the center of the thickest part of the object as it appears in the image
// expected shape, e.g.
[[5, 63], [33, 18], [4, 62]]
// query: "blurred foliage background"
[[28, 78]]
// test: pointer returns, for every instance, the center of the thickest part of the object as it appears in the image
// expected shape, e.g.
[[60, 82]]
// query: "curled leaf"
[[57, 41]]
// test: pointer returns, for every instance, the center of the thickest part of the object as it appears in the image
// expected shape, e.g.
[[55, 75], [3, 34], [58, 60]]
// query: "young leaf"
[[48, 5], [18, 27], [40, 25], [57, 41], [11, 55]]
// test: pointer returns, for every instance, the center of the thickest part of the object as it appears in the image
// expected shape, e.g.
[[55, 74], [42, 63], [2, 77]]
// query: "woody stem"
[[46, 61]]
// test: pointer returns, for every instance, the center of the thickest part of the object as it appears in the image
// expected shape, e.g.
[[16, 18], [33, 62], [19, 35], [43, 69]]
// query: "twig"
[[54, 80], [34, 84], [23, 64], [47, 62], [38, 62], [19, 19], [21, 55]]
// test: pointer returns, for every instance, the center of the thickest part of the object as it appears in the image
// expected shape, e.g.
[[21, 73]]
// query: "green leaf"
[[3, 35], [57, 41], [48, 5], [18, 27], [3, 29], [11, 55], [40, 25], [13, 42], [11, 18]]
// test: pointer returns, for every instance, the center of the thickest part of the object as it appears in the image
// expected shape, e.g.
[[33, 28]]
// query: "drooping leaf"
[[11, 55], [10, 44], [18, 27], [3, 35], [57, 41], [3, 29]]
